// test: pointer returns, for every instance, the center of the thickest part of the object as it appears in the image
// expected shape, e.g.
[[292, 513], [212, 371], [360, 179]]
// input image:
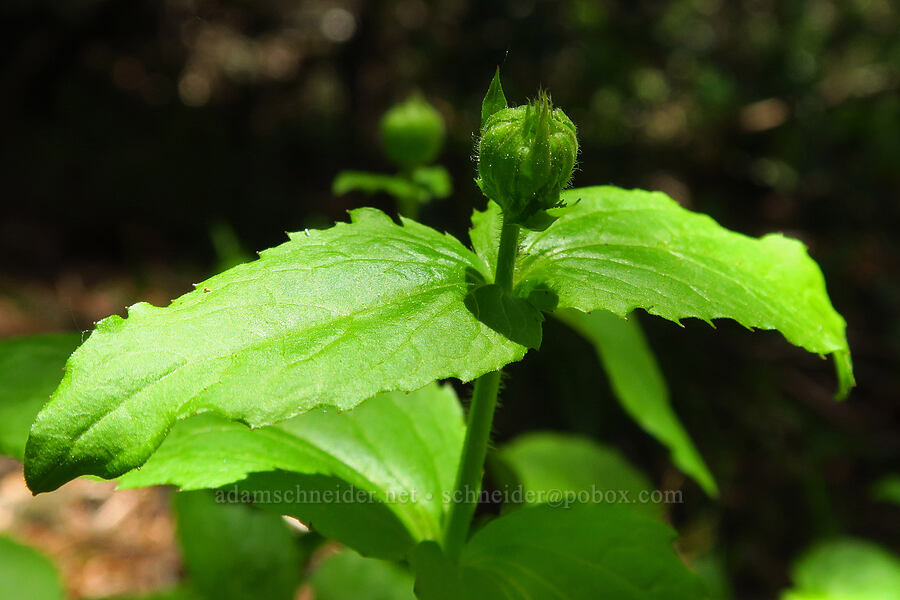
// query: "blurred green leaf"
[[26, 573], [551, 465], [845, 569], [229, 251], [233, 551], [423, 184], [639, 385], [434, 180], [711, 569], [887, 489], [373, 183], [348, 576], [182, 593], [30, 369]]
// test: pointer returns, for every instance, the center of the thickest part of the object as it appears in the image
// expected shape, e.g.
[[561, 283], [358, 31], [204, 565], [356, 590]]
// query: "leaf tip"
[[843, 365]]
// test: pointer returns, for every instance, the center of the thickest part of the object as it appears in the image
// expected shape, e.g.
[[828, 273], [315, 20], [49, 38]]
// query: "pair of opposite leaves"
[[333, 317]]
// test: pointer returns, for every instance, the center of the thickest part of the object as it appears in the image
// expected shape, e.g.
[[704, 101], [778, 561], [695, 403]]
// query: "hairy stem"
[[481, 418], [506, 255]]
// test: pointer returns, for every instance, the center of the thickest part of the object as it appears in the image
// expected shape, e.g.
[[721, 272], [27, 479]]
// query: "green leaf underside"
[[618, 250], [330, 318], [485, 234], [394, 446], [346, 575], [639, 385], [586, 552], [846, 569], [30, 369], [233, 552], [550, 466], [26, 573]]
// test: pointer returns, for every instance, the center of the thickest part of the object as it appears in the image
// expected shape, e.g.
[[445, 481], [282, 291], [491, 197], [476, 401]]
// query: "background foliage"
[[131, 131]]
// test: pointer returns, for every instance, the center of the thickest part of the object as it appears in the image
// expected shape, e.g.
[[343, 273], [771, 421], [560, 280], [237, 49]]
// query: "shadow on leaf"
[[506, 314]]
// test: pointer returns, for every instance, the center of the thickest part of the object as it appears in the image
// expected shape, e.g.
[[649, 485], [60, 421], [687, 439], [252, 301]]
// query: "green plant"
[[369, 315], [412, 134]]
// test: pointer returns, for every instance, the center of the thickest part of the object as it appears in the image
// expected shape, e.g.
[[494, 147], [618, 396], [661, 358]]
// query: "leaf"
[[494, 99], [400, 448], [423, 184], [229, 250], [711, 569], [560, 468], [487, 225], [26, 573], [846, 569], [639, 385], [635, 377], [617, 250], [514, 317], [887, 489], [434, 180], [235, 551], [373, 183], [348, 576], [329, 318], [30, 369], [586, 552]]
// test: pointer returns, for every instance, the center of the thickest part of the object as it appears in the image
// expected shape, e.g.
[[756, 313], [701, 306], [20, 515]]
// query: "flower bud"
[[412, 132], [526, 156]]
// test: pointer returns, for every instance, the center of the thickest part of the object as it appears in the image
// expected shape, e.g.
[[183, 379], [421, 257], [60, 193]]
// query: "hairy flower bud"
[[526, 156], [412, 132]]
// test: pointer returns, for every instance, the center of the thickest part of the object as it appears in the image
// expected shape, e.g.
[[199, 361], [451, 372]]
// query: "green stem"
[[408, 206], [481, 418], [471, 465], [506, 255]]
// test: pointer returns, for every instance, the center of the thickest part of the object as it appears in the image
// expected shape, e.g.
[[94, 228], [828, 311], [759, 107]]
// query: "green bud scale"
[[526, 156], [412, 132]]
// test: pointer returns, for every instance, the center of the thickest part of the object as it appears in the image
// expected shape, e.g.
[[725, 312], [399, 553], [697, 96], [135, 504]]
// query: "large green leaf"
[[617, 250], [348, 576], [562, 469], [588, 551], [30, 369], [402, 449], [639, 385], [26, 573], [232, 551], [329, 318], [846, 569]]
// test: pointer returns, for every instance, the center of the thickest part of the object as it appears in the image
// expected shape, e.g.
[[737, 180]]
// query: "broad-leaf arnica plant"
[[246, 384]]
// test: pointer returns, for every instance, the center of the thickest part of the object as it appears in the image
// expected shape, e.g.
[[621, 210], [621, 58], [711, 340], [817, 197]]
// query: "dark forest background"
[[133, 135]]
